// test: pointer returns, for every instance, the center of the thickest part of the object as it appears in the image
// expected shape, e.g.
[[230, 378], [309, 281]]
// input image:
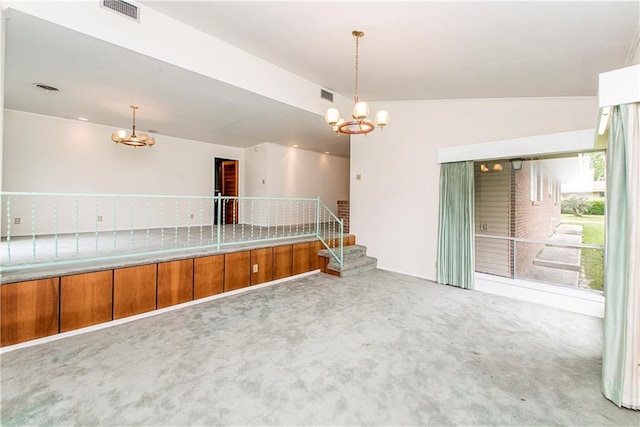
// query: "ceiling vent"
[[123, 8], [47, 88], [326, 95]]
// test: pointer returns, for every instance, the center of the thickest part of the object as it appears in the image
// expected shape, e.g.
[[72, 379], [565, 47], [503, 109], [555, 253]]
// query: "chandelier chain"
[[357, 60], [134, 108]]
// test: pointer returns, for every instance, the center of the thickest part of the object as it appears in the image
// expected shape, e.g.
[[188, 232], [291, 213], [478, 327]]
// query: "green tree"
[[574, 205], [598, 165]]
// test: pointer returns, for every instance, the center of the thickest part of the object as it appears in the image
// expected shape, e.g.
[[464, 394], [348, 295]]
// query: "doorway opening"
[[225, 183]]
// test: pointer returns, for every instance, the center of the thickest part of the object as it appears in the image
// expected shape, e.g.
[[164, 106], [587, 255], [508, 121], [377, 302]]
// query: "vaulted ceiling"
[[411, 51]]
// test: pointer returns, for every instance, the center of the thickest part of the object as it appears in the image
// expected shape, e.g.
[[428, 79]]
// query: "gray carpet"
[[379, 349]]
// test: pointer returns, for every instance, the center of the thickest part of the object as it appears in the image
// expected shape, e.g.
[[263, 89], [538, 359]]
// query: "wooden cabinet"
[[86, 299], [315, 261], [208, 276], [261, 265], [282, 261], [237, 267], [134, 290], [29, 310], [300, 258], [175, 282]]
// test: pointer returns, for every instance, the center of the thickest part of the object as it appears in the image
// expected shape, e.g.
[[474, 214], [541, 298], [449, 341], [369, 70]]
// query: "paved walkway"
[[556, 264]]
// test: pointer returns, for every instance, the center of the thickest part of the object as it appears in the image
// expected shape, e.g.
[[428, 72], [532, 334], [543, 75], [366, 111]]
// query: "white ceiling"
[[411, 50], [99, 81], [429, 50]]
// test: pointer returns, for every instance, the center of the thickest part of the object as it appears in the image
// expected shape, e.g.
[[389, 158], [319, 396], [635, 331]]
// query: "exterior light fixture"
[[358, 124], [142, 140], [516, 164], [497, 167], [604, 120]]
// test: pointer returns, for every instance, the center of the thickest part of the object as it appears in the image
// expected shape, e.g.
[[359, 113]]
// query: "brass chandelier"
[[358, 124], [142, 140]]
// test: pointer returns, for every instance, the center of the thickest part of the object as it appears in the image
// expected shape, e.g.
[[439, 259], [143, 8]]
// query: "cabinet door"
[[282, 262], [300, 258], [175, 282], [315, 261], [237, 267], [261, 265], [134, 290], [208, 276], [86, 299], [29, 310]]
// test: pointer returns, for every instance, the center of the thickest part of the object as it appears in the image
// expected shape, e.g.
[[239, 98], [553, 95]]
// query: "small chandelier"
[[142, 140], [358, 123]]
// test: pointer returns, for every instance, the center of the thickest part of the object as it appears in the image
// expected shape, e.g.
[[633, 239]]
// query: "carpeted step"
[[349, 252], [353, 266]]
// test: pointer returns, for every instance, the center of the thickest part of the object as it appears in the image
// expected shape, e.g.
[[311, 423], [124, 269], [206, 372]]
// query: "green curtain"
[[456, 225], [620, 379]]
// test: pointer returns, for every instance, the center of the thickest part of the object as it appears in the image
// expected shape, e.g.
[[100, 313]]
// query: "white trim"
[[152, 313], [590, 303], [553, 143], [619, 87]]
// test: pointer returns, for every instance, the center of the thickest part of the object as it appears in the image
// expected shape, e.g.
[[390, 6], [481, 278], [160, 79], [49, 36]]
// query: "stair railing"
[[330, 231], [40, 229]]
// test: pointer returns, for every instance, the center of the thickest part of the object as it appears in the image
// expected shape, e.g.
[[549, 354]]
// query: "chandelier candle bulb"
[[382, 118], [332, 116], [361, 110]]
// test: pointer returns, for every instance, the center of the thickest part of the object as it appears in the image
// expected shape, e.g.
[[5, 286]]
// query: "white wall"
[[49, 154], [302, 173], [394, 207], [256, 168], [273, 170]]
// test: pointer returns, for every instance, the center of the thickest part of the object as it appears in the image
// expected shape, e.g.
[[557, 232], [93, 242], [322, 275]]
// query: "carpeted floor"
[[380, 348]]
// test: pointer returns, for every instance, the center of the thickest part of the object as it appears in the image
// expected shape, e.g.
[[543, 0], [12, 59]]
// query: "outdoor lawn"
[[592, 260]]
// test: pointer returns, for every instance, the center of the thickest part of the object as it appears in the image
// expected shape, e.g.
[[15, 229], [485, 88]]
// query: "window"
[[536, 182]]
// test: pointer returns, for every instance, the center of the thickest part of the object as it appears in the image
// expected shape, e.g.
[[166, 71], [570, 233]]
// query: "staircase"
[[355, 262]]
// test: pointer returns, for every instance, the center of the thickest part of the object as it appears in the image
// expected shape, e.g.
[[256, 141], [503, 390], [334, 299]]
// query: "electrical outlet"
[[484, 227], [16, 221], [99, 218], [191, 216], [255, 268]]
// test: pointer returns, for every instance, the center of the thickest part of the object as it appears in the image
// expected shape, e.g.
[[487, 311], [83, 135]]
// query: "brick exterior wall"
[[343, 213], [532, 220]]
